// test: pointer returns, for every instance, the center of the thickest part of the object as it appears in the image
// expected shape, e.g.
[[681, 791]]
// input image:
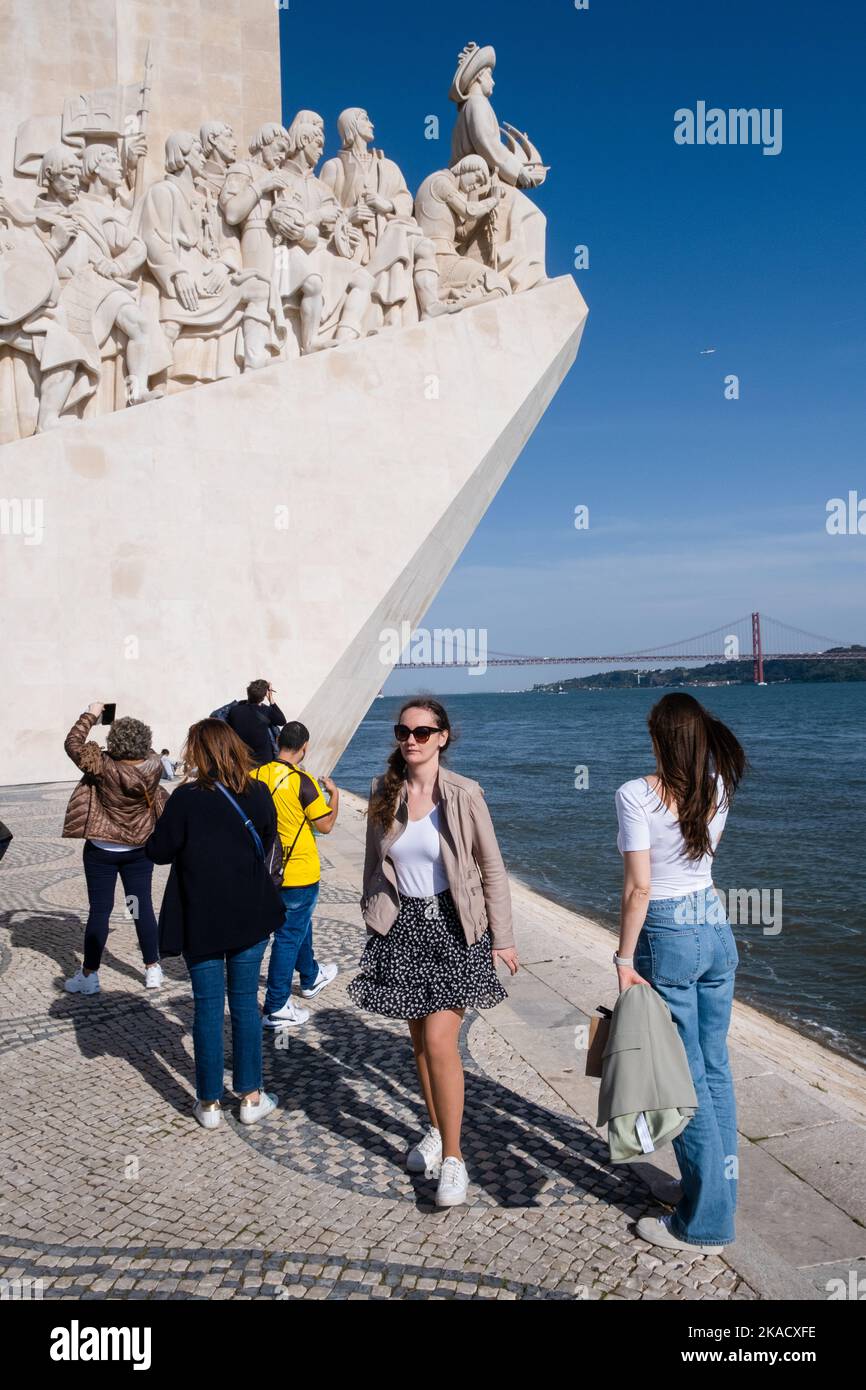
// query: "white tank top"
[[417, 858]]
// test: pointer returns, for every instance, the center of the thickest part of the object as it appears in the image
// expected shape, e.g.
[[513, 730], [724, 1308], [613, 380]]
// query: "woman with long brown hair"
[[437, 906], [219, 909], [674, 936]]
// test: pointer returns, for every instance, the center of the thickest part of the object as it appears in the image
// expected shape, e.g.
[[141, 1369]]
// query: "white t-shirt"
[[645, 823], [417, 858]]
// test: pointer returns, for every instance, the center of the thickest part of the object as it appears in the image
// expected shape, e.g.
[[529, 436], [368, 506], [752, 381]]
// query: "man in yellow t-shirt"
[[300, 805]]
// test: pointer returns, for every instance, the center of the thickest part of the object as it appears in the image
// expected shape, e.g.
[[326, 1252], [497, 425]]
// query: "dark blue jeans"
[[687, 952], [101, 868], [293, 947], [208, 975]]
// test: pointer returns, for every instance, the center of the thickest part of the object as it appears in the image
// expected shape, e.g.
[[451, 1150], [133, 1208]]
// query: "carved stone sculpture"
[[246, 202], [204, 298], [32, 322], [451, 207], [519, 227], [220, 151], [112, 292], [372, 190], [99, 273], [316, 268]]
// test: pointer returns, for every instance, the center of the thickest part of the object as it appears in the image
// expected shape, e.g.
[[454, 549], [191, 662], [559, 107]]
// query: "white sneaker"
[[290, 1016], [153, 976], [208, 1113], [426, 1156], [250, 1113], [453, 1183], [83, 984], [326, 974], [656, 1229]]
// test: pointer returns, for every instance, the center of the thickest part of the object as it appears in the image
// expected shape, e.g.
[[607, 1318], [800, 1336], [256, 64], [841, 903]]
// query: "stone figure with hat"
[[519, 227]]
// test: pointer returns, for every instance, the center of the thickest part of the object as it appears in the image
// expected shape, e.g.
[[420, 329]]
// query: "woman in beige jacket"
[[438, 911]]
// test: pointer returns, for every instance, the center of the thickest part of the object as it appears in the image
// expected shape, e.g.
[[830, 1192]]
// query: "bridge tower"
[[757, 651]]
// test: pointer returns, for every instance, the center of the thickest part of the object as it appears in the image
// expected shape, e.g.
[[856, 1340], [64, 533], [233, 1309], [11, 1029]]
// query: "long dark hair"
[[214, 753], [691, 747], [383, 803]]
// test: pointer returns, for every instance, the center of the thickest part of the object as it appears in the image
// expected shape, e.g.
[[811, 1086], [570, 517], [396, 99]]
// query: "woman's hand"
[[628, 976], [96, 708], [508, 957]]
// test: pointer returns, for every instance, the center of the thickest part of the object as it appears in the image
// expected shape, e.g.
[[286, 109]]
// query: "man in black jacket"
[[253, 719]]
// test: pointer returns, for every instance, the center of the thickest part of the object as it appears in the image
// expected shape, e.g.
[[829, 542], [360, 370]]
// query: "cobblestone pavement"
[[112, 1190]]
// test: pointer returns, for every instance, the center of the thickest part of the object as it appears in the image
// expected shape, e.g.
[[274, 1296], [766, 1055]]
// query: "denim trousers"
[[292, 947], [688, 953], [101, 868], [208, 975]]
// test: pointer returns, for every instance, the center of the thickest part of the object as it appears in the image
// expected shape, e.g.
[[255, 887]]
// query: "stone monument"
[[218, 379]]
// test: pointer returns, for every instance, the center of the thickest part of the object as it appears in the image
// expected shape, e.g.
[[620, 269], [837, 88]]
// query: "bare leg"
[[416, 1029], [312, 306], [355, 307], [256, 324], [55, 389], [441, 1031], [133, 323]]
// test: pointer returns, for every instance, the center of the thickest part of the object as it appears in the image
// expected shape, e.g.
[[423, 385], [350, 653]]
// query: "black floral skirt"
[[424, 963]]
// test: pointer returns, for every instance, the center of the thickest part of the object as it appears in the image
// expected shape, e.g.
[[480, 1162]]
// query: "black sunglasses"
[[422, 733]]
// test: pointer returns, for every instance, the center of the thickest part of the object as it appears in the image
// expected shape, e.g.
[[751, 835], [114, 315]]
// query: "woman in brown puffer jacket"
[[114, 809]]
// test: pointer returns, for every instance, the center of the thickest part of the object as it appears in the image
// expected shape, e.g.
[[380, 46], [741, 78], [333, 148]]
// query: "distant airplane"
[[705, 352]]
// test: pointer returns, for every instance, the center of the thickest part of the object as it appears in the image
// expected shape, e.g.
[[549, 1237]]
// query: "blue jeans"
[[293, 947], [101, 868], [208, 976], [688, 953]]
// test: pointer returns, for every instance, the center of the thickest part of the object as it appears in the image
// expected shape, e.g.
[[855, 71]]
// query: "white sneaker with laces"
[[208, 1113], [265, 1104], [291, 1015], [326, 974], [426, 1156], [83, 984], [153, 976], [453, 1183]]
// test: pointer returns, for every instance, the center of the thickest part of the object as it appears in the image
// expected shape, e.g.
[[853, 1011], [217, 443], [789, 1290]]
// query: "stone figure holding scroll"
[[372, 190]]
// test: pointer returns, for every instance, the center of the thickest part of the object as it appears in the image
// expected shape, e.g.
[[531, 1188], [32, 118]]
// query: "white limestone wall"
[[212, 59], [266, 526]]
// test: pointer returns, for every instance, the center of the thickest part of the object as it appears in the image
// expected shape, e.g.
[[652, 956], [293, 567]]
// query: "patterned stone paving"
[[112, 1190]]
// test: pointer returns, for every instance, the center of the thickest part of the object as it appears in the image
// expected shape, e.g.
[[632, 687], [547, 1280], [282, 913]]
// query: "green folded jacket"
[[647, 1095]]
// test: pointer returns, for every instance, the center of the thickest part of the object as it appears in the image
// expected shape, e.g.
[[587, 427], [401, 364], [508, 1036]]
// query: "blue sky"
[[701, 508]]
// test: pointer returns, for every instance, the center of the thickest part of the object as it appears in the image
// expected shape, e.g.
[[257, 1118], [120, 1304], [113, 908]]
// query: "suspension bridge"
[[756, 636]]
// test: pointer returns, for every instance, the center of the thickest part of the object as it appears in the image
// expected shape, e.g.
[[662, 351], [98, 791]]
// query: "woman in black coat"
[[219, 909]]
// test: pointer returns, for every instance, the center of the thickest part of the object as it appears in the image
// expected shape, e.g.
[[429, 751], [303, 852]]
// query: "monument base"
[[273, 525]]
